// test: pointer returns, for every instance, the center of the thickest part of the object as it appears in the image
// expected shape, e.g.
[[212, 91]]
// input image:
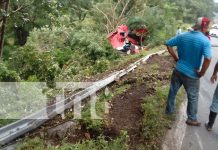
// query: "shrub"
[[46, 39], [94, 45], [101, 65], [62, 56], [7, 75], [28, 62]]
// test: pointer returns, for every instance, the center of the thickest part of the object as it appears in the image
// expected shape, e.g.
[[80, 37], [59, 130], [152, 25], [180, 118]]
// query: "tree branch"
[[104, 15], [124, 9], [15, 11], [114, 10]]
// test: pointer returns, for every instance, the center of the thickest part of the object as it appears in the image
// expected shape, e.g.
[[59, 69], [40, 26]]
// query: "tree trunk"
[[21, 35], [4, 6]]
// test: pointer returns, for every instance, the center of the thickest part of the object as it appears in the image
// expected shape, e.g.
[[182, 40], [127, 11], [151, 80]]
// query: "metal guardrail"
[[20, 127]]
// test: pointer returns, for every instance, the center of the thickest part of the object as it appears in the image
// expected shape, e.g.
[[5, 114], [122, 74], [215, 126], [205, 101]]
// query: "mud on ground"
[[126, 113]]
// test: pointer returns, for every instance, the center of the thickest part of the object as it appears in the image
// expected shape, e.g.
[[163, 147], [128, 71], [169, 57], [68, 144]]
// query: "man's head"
[[202, 24]]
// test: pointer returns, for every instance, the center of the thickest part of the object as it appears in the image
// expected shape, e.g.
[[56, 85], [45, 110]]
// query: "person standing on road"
[[214, 105], [192, 47]]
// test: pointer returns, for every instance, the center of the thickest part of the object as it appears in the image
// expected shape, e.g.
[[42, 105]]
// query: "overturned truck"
[[127, 41]]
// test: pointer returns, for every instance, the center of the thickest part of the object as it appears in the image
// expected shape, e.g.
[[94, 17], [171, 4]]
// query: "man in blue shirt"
[[192, 47]]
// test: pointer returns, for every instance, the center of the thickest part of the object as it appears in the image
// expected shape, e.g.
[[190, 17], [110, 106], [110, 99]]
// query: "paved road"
[[198, 138]]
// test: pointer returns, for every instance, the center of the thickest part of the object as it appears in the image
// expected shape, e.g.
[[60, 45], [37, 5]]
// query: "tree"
[[4, 8], [114, 14]]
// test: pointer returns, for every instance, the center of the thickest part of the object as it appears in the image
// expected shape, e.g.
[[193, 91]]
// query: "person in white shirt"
[[179, 31]]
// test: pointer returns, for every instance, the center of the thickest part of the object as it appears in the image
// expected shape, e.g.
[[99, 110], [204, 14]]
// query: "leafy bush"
[[28, 62], [94, 45], [91, 54], [136, 23], [32, 78], [101, 65], [78, 50], [7, 75], [62, 56], [160, 27], [46, 39]]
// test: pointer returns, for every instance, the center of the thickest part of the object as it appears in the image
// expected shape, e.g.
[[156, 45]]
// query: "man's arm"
[[214, 76], [172, 53], [205, 66], [207, 58]]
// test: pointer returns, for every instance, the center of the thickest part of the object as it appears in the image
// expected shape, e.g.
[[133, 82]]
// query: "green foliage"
[[189, 10], [47, 39], [99, 144], [32, 78], [92, 44], [101, 65], [154, 119], [136, 23], [216, 7], [96, 125], [33, 144], [78, 9], [7, 75], [91, 54], [28, 62], [69, 37], [69, 45], [153, 114], [4, 122], [62, 56], [160, 28]]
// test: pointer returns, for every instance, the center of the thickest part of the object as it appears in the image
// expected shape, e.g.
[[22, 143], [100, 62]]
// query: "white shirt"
[[179, 31]]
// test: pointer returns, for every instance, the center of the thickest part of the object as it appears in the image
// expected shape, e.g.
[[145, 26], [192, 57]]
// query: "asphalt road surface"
[[198, 138]]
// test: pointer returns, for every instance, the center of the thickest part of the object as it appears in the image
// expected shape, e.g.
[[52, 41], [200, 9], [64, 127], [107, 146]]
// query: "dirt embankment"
[[126, 109], [126, 112]]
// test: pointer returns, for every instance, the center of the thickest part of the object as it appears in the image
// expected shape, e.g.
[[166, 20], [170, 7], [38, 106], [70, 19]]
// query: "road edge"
[[174, 137]]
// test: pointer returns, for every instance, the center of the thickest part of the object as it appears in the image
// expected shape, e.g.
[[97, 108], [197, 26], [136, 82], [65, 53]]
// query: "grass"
[[120, 143], [128, 58], [32, 144], [96, 125], [4, 122], [154, 67], [155, 122]]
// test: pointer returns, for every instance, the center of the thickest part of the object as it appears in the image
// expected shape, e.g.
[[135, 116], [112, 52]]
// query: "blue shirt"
[[192, 47]]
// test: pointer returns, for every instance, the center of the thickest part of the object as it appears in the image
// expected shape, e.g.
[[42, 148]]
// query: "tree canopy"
[[71, 34]]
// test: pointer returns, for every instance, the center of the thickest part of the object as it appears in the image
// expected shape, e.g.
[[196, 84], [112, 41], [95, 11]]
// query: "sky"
[[216, 1]]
